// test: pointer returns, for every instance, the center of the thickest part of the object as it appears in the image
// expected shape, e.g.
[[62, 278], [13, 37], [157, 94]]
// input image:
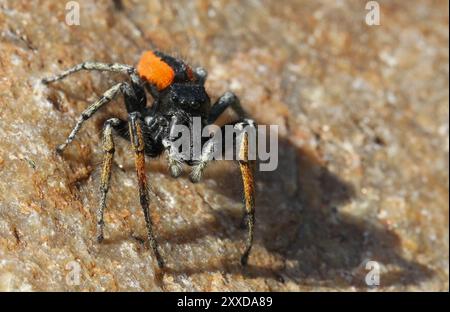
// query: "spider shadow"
[[299, 220]]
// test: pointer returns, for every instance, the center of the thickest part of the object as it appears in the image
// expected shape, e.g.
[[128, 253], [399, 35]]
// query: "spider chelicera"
[[178, 94]]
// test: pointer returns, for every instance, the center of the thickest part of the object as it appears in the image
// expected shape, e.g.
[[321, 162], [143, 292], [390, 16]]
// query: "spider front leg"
[[114, 67], [206, 157], [174, 158], [108, 150], [107, 97], [248, 182], [246, 168], [228, 99], [137, 141]]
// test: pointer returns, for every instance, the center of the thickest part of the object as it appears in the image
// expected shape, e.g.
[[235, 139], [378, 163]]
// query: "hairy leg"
[[228, 99], [174, 159], [108, 150], [209, 147], [248, 182], [107, 97], [137, 142], [115, 67], [246, 168]]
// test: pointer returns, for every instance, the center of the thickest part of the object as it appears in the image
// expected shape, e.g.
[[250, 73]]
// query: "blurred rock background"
[[363, 157]]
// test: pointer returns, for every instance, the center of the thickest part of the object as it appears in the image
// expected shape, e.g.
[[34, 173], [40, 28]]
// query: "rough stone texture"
[[364, 143]]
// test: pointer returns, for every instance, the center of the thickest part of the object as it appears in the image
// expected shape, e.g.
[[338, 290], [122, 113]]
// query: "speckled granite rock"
[[363, 171]]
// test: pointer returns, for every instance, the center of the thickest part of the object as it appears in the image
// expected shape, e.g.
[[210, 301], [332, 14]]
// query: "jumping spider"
[[178, 94]]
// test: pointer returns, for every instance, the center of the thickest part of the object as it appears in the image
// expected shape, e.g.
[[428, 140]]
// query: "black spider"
[[179, 94]]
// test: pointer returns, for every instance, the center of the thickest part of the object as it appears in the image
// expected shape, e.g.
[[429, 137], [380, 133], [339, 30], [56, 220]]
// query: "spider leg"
[[115, 67], [206, 156], [248, 182], [137, 141], [108, 149], [174, 159], [201, 74], [228, 99], [246, 166], [108, 96]]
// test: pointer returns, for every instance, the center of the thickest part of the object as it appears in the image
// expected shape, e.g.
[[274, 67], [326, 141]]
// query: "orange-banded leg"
[[108, 150], [247, 166], [137, 140]]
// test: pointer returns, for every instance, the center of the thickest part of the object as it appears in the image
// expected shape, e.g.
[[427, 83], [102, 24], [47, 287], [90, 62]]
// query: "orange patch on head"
[[154, 70]]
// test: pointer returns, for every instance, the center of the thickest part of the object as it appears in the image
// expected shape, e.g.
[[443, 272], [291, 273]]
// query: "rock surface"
[[363, 155]]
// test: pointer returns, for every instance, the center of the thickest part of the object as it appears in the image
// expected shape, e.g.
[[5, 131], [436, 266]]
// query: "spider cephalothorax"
[[178, 96]]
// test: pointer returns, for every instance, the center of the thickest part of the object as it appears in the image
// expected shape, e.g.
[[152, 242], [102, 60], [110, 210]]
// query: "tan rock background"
[[364, 143]]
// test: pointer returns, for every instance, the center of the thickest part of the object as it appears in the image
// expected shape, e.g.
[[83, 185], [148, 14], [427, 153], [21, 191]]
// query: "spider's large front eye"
[[189, 96], [185, 101]]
